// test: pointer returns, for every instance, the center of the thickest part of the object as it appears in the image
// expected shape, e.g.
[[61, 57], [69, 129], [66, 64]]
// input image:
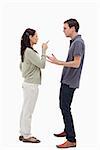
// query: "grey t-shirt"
[[71, 76]]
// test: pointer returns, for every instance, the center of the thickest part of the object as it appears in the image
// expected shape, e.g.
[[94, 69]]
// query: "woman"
[[30, 66]]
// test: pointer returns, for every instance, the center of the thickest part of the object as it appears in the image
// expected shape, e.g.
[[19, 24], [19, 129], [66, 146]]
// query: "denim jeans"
[[66, 96]]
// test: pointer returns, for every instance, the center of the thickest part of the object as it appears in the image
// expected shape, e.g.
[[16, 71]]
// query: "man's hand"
[[52, 59]]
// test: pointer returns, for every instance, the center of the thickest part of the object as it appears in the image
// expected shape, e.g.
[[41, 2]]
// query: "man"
[[70, 79]]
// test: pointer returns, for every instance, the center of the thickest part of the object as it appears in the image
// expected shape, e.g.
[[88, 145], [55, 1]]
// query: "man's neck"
[[74, 35]]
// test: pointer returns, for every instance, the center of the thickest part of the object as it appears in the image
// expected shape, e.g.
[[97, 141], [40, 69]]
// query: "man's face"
[[67, 30]]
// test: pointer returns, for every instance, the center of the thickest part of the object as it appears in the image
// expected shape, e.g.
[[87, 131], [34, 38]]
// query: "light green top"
[[31, 67]]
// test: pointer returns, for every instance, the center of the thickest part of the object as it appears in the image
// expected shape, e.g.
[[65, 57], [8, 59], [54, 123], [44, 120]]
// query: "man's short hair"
[[72, 23]]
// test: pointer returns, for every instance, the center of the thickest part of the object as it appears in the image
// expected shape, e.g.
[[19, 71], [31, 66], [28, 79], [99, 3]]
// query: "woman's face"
[[33, 39]]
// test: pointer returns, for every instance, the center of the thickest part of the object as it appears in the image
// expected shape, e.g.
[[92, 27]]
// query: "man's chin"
[[67, 36]]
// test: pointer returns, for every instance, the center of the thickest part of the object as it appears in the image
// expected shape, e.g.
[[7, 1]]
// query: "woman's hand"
[[45, 46]]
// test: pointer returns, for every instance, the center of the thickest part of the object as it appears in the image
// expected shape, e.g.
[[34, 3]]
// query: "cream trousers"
[[30, 93]]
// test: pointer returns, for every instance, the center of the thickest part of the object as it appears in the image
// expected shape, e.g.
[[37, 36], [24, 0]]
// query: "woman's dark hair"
[[25, 41], [73, 23]]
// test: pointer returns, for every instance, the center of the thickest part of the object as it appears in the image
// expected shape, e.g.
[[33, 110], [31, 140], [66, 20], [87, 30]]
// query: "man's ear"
[[73, 28]]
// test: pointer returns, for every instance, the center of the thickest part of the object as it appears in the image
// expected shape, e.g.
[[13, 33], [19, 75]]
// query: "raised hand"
[[52, 59]]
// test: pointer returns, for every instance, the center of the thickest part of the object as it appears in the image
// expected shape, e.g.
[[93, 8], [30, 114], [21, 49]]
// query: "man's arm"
[[74, 64]]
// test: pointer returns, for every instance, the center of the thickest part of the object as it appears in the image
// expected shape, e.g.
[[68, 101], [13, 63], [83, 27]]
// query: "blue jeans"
[[66, 96]]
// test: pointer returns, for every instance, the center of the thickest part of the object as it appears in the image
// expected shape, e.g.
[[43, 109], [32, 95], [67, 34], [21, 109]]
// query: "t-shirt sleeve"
[[78, 50]]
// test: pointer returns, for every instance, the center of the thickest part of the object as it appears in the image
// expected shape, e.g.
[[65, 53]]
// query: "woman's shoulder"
[[29, 52], [28, 49]]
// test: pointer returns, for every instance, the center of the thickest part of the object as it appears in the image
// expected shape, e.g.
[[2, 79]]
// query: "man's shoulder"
[[78, 40]]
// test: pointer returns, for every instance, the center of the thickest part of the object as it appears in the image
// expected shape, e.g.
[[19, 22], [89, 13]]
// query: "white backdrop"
[[47, 19]]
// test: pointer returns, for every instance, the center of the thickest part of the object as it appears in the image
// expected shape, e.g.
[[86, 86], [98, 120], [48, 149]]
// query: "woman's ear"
[[30, 37]]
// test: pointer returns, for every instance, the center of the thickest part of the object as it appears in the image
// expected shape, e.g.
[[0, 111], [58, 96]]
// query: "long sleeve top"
[[32, 65]]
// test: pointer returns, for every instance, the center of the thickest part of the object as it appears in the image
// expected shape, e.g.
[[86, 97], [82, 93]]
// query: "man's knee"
[[64, 107]]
